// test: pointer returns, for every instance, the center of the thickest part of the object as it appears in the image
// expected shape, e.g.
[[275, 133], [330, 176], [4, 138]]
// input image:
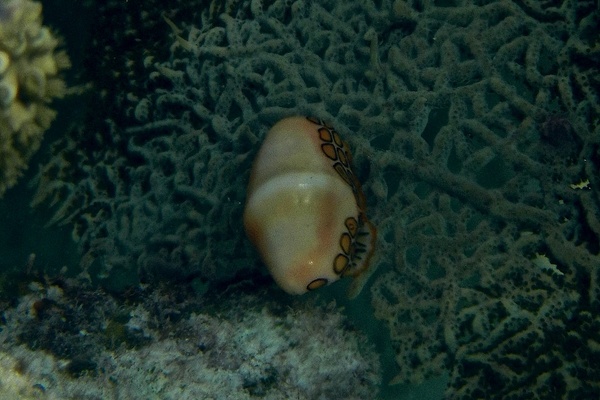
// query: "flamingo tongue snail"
[[305, 209]]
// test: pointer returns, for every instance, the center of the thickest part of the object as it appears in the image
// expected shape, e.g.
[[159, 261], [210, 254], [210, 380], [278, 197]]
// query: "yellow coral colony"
[[305, 210], [29, 79]]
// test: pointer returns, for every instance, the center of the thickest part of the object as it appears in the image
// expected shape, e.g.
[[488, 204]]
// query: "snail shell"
[[305, 209]]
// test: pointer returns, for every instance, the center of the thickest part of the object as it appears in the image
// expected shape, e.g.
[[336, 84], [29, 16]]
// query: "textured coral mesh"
[[474, 130]]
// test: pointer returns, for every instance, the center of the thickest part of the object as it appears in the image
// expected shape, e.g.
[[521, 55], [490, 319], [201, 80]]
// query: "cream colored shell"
[[304, 208]]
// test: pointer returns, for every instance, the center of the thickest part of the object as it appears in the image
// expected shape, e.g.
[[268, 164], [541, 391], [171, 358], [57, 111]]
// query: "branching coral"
[[30, 67]]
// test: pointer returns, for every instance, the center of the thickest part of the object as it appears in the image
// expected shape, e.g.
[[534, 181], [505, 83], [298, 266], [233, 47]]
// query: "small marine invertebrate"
[[305, 210]]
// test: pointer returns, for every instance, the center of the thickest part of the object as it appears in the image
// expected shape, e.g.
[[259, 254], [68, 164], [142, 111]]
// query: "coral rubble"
[[66, 342]]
